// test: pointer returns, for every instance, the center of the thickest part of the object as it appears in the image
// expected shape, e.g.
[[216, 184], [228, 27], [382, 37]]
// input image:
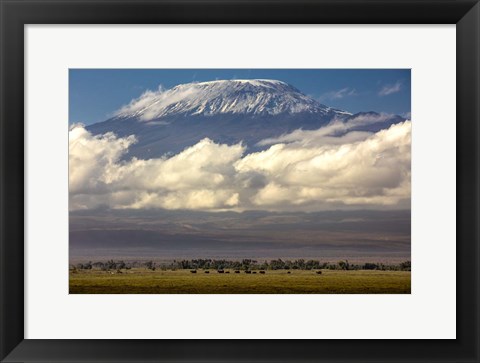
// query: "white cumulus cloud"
[[304, 171], [330, 132]]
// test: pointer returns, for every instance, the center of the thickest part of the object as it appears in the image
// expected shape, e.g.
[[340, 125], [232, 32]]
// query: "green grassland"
[[142, 281]]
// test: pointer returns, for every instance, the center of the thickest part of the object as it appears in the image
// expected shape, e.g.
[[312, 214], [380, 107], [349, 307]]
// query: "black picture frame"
[[17, 13]]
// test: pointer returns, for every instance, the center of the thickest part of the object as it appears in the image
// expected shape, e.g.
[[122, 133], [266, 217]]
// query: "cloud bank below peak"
[[302, 171]]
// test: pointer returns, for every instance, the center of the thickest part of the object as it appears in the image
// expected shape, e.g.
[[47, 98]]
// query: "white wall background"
[[429, 312]]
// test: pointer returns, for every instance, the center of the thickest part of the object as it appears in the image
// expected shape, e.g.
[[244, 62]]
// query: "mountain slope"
[[227, 111], [240, 97]]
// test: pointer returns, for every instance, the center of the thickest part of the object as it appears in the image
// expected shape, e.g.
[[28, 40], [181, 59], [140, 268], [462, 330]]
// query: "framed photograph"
[[235, 185], [239, 181]]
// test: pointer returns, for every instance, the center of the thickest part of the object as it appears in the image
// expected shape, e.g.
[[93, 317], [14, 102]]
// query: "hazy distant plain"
[[160, 235]]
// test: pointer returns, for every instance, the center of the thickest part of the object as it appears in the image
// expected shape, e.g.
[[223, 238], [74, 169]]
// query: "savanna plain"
[[144, 281]]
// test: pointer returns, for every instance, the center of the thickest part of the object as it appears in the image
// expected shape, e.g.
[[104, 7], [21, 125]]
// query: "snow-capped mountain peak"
[[248, 97], [165, 122]]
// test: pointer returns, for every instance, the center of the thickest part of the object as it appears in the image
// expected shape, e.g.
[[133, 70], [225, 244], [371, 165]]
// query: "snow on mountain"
[[247, 97], [228, 111]]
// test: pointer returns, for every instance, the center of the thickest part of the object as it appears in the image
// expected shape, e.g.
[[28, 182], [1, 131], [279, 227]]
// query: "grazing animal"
[[227, 272], [262, 272], [318, 272], [254, 272], [237, 272], [248, 272], [207, 272], [288, 272], [220, 271], [193, 271]]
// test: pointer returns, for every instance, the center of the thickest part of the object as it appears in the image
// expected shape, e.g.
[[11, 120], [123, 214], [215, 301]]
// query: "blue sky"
[[95, 94]]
